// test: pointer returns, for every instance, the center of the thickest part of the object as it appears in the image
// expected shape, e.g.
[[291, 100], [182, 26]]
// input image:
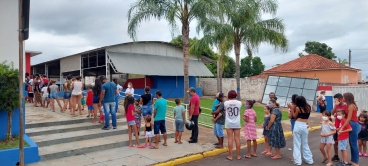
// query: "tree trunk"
[[218, 76], [219, 73], [249, 51], [8, 133], [237, 66], [185, 40]]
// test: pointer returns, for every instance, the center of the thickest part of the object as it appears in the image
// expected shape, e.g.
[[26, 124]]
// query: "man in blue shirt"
[[108, 93], [159, 115]]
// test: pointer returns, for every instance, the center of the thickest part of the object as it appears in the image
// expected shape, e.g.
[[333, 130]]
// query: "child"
[[45, 95], [129, 114], [267, 111], [137, 115], [327, 131], [90, 102], [363, 135], [148, 131], [179, 116], [102, 117], [215, 104], [343, 137], [83, 101], [250, 131]]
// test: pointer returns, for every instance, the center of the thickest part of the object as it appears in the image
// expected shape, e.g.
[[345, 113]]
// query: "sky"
[[60, 28]]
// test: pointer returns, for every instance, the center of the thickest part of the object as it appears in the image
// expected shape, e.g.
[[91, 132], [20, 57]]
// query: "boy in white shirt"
[[45, 96]]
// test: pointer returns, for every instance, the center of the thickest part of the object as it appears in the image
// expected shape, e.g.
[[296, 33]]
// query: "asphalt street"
[[262, 160]]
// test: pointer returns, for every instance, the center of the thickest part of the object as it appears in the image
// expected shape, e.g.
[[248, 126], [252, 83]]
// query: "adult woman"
[[352, 119], [146, 102], [117, 96], [290, 114], [53, 91], [37, 91], [301, 112], [128, 92], [67, 92], [321, 99], [96, 90], [232, 123], [276, 137], [77, 87]]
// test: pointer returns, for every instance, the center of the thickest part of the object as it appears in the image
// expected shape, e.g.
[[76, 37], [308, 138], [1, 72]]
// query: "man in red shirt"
[[339, 105], [194, 113]]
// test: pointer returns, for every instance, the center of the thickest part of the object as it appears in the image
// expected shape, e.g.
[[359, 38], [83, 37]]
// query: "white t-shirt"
[[130, 91], [118, 87], [45, 92], [232, 118]]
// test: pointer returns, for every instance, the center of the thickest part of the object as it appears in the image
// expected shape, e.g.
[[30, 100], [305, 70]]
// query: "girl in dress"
[[327, 131], [250, 131], [363, 135], [267, 111]]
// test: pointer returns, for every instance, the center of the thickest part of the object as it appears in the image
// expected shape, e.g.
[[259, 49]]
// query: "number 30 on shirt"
[[232, 111]]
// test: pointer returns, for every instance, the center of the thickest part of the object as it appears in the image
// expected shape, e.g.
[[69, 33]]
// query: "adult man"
[[159, 115], [272, 96], [219, 120], [108, 92], [194, 113], [339, 105]]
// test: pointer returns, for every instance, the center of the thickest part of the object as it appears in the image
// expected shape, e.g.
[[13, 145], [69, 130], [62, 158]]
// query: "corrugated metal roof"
[[146, 64]]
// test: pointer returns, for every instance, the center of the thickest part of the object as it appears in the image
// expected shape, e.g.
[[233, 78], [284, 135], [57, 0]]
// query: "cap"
[[191, 89]]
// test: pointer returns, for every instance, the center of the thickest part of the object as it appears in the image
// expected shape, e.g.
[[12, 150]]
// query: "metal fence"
[[360, 94], [203, 119]]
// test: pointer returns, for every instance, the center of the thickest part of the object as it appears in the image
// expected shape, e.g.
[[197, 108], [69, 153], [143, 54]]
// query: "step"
[[68, 128], [65, 137], [87, 146], [64, 122]]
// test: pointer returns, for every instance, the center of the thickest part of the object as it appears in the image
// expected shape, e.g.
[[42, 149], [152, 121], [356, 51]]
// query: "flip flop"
[[324, 160], [152, 147], [275, 158], [253, 155], [142, 146], [247, 157], [164, 144], [264, 152], [227, 158], [238, 158]]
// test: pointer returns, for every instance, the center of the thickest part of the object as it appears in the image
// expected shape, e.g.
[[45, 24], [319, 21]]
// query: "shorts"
[[343, 144], [179, 125], [54, 95], [138, 122], [96, 100], [30, 95], [327, 140], [131, 123], [90, 108], [67, 95], [45, 98], [159, 126], [38, 97], [217, 130], [149, 134], [146, 110]]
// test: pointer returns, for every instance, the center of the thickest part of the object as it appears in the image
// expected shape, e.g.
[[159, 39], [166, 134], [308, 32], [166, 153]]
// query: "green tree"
[[229, 71], [204, 50], [242, 22], [322, 49], [342, 61], [250, 67], [184, 11], [9, 81]]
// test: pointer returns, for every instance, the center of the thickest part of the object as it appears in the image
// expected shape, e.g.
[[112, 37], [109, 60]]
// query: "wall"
[[359, 92], [250, 88], [330, 76], [28, 63]]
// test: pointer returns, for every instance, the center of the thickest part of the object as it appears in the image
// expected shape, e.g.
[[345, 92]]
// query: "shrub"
[[9, 92]]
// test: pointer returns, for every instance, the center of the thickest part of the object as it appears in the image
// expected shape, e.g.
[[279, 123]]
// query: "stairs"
[[60, 139]]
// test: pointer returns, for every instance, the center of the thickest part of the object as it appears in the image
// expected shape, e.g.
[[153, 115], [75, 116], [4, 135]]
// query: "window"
[[285, 87]]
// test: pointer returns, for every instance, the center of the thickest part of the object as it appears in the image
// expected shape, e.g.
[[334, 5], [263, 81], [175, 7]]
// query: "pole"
[[349, 58], [21, 86]]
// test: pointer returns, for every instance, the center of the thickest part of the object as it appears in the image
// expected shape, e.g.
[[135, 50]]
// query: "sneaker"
[[192, 141], [336, 158], [105, 128], [114, 128]]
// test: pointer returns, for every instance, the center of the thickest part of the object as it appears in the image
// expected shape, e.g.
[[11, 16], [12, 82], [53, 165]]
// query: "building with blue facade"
[[159, 65]]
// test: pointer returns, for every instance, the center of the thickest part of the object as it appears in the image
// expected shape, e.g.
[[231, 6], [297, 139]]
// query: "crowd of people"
[[339, 126]]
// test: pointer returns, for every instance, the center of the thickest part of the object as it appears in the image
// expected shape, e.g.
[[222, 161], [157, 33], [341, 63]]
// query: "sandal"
[[365, 155], [253, 155], [247, 156], [329, 164], [264, 152]]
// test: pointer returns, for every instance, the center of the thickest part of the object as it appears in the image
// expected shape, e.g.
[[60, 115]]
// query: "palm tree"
[[183, 11], [242, 23], [342, 61]]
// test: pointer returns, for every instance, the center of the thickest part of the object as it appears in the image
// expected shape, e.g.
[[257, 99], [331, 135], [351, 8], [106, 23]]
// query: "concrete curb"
[[215, 152]]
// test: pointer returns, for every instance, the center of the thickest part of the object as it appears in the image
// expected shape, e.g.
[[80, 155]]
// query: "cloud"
[[63, 27]]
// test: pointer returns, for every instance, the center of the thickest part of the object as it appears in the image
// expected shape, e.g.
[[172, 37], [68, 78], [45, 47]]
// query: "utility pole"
[[21, 86], [349, 58]]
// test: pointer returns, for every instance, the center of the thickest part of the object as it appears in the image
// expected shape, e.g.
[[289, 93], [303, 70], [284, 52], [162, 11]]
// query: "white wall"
[[9, 47]]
